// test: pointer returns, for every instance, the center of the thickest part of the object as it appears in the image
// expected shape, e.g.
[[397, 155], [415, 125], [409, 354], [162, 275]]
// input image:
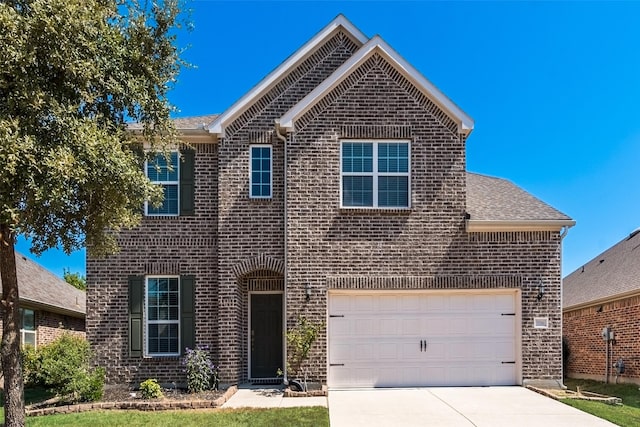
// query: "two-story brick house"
[[335, 189]]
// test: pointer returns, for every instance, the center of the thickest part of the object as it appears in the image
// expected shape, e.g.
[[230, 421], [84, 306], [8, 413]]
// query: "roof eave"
[[218, 126], [601, 301], [478, 226], [377, 44], [29, 303]]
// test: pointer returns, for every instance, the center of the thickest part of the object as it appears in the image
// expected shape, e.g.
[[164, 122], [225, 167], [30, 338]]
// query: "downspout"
[[563, 233], [285, 216]]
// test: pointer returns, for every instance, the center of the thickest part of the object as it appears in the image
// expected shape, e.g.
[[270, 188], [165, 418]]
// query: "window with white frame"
[[27, 327], [162, 316], [164, 171], [260, 173], [375, 174]]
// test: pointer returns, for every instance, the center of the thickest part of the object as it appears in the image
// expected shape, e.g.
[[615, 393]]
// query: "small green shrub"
[[300, 338], [201, 372], [150, 389], [30, 366], [63, 366]]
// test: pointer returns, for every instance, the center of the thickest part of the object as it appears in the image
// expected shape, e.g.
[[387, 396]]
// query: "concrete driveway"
[[453, 406]]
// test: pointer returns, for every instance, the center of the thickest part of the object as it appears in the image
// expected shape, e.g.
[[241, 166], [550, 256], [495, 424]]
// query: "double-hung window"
[[163, 316], [27, 327], [375, 174], [260, 174], [164, 171]]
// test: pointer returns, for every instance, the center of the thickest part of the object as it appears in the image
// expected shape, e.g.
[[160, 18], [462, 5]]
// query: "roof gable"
[[379, 46], [615, 273], [340, 23]]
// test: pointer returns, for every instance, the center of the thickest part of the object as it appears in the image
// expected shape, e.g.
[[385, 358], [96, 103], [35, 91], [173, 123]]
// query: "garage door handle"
[[423, 345], [509, 363]]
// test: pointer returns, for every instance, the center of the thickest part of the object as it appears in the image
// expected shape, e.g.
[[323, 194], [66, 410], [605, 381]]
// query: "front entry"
[[265, 335]]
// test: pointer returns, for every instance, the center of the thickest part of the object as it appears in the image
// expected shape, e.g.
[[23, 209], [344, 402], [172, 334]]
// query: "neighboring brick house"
[[335, 189], [49, 306], [604, 293]]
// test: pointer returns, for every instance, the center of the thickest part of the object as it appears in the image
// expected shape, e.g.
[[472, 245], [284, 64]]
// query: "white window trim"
[[147, 322], [24, 331], [251, 196], [163, 183], [375, 174]]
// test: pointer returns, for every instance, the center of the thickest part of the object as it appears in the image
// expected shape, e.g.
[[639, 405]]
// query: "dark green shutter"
[[187, 187], [136, 298], [187, 315]]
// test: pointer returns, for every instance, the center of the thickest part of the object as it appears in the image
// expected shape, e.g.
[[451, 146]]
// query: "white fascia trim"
[[476, 226], [376, 44], [218, 125]]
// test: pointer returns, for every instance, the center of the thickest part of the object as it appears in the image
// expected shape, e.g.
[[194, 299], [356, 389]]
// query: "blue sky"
[[553, 88]]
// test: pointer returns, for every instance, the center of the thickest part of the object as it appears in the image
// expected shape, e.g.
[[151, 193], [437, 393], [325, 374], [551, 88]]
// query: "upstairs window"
[[260, 172], [375, 174], [165, 172]]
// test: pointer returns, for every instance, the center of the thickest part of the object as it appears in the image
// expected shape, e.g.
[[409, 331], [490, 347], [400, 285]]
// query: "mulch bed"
[[119, 397]]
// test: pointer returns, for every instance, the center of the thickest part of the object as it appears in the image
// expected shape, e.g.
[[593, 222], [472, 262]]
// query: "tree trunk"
[[10, 350]]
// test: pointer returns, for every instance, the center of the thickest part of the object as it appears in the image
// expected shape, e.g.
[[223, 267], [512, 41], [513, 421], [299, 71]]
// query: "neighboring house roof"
[[340, 23], [497, 204], [184, 123], [40, 288], [379, 46], [613, 274]]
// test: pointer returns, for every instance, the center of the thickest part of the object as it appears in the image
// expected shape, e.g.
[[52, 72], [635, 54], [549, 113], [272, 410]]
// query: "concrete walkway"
[[454, 406], [269, 397]]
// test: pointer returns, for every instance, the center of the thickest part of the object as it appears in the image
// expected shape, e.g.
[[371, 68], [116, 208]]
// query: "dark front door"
[[266, 335]]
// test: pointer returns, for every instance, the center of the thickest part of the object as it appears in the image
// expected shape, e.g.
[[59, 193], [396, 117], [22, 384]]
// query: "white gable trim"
[[340, 22], [376, 44]]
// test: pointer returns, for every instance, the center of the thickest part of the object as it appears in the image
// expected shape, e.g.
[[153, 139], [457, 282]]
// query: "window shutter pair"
[[136, 314]]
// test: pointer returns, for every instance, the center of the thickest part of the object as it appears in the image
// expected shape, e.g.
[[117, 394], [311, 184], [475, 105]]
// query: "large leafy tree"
[[72, 74]]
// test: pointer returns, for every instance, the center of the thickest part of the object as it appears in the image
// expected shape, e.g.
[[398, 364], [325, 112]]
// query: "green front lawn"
[[626, 415], [314, 416]]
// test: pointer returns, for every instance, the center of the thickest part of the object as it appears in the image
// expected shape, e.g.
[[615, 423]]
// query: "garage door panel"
[[379, 339]]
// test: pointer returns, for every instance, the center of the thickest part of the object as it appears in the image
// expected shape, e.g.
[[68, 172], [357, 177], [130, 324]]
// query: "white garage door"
[[422, 339]]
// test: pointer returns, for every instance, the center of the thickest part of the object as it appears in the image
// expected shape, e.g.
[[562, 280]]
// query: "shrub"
[[201, 372], [64, 367], [150, 389], [299, 341], [30, 365]]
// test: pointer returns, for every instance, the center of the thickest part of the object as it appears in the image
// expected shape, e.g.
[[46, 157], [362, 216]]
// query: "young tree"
[[72, 73]]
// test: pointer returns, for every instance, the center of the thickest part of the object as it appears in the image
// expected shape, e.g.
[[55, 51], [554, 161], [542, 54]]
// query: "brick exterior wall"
[[255, 228], [582, 328], [50, 326], [234, 244], [159, 246], [425, 247]]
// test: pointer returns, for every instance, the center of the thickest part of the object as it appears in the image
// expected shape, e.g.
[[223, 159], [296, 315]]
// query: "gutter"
[[285, 217], [474, 225]]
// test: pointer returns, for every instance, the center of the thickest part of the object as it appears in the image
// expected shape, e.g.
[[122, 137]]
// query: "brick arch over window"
[[261, 262]]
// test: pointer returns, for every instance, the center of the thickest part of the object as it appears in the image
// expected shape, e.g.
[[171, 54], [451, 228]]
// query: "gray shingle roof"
[[185, 123], [38, 286], [614, 272], [496, 199]]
